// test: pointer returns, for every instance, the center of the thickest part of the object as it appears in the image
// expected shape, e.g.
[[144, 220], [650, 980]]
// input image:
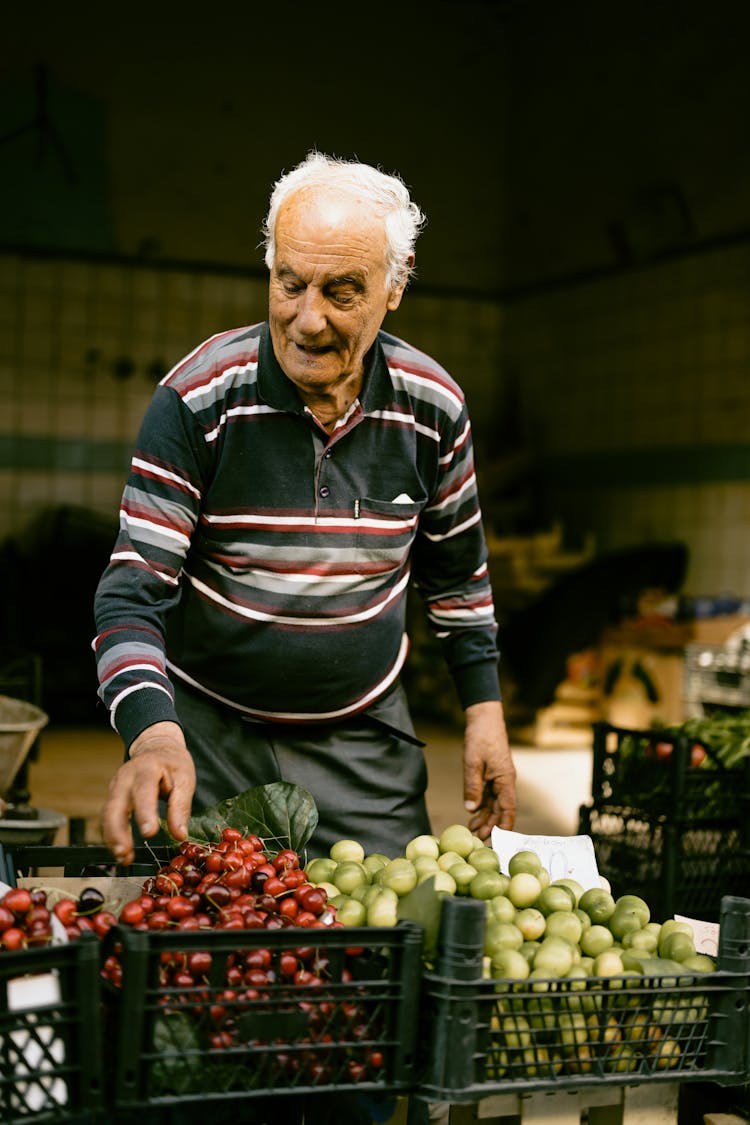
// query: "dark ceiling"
[[542, 139]]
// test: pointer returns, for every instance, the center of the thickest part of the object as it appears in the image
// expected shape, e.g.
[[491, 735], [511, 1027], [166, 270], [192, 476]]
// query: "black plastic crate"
[[353, 1029], [77, 860], [487, 1037], [677, 868], [50, 1034], [674, 832], [653, 770]]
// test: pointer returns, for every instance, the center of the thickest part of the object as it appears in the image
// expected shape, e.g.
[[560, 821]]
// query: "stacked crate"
[[665, 827]]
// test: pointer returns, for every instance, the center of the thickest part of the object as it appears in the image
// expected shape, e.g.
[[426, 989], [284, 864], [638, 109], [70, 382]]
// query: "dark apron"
[[367, 774]]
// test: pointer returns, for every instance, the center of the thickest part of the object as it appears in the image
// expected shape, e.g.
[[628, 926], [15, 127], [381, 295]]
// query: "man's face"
[[327, 295]]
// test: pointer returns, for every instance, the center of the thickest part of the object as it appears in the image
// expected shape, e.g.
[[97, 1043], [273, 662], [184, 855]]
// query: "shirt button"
[[328, 454], [325, 490]]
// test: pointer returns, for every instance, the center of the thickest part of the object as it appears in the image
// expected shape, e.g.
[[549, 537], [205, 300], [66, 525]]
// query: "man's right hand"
[[159, 765]]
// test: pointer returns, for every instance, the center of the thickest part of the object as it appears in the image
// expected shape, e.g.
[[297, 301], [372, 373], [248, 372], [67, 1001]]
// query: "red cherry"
[[288, 964], [306, 918], [285, 860], [179, 907], [189, 922], [159, 920], [199, 963], [183, 979], [312, 899], [39, 933], [7, 919], [237, 877], [258, 958], [18, 900], [289, 907], [13, 938], [37, 913], [231, 834], [132, 913], [274, 886], [216, 896], [295, 877], [103, 921]]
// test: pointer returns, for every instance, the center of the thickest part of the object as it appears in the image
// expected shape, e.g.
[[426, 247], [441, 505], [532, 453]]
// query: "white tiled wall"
[[643, 364], [648, 364], [82, 345]]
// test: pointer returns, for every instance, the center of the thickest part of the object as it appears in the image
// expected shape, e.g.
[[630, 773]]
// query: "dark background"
[[543, 139]]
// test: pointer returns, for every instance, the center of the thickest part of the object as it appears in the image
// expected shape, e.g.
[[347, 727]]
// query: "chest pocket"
[[385, 529]]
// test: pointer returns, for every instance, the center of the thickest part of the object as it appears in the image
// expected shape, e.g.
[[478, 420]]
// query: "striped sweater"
[[266, 562]]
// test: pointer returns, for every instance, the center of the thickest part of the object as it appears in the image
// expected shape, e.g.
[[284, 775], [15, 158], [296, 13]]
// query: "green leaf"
[[177, 1043], [282, 814], [423, 906]]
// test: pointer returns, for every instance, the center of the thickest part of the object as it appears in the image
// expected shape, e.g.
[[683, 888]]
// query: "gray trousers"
[[368, 783]]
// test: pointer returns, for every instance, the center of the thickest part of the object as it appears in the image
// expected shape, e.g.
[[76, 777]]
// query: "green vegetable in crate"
[[604, 984], [640, 772], [456, 862], [725, 736]]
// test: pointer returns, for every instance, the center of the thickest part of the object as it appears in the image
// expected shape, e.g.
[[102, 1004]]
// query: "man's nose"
[[311, 317]]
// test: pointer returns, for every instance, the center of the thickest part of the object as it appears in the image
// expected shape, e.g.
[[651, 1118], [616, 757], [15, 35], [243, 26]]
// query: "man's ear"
[[399, 288]]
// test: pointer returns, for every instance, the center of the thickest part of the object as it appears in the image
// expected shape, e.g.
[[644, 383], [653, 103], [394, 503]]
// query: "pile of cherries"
[[26, 917], [234, 885], [231, 885]]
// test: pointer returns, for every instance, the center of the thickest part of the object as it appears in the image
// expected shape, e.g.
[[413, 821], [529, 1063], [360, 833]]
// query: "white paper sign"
[[563, 857], [33, 991], [705, 935]]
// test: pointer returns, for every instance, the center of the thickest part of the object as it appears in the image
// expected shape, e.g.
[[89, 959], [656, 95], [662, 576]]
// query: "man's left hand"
[[489, 772]]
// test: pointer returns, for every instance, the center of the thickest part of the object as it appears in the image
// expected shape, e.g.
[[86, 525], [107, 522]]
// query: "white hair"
[[388, 195]]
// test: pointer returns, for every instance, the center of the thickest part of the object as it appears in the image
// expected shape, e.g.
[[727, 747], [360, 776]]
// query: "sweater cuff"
[[477, 683], [142, 709]]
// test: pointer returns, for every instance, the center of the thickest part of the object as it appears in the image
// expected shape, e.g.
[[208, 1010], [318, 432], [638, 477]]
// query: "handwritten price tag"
[[705, 935], [563, 857]]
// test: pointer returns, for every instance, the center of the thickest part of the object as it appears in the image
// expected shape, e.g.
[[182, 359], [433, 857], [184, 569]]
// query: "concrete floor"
[[74, 766]]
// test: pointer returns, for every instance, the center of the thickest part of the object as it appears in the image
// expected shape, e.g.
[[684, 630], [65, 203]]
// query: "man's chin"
[[303, 367]]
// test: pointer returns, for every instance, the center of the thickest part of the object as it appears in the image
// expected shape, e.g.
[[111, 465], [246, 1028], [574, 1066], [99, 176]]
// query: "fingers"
[[115, 818], [180, 801], [496, 806], [135, 790]]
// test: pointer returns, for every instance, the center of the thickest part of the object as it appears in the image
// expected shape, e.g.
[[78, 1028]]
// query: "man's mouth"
[[310, 349]]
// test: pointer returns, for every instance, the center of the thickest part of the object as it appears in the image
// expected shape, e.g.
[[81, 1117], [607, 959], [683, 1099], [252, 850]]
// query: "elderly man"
[[290, 480]]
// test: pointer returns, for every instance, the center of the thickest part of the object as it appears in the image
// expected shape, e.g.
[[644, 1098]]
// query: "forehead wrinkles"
[[330, 231]]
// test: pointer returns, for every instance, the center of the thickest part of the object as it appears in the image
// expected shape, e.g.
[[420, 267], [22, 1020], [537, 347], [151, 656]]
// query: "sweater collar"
[[278, 391]]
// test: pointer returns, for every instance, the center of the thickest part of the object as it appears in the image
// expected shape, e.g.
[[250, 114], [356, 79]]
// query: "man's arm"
[[451, 572], [159, 510], [489, 773]]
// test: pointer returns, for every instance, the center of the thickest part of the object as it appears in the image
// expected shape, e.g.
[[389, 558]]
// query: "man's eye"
[[343, 298], [291, 288]]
